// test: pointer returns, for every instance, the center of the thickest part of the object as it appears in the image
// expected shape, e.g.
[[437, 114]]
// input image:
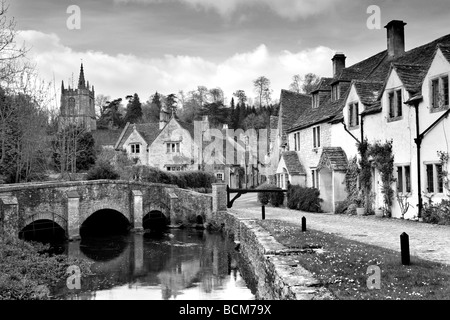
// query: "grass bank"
[[29, 274], [341, 265]]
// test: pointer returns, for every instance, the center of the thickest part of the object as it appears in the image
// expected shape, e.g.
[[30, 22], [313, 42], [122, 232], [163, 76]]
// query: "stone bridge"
[[70, 203]]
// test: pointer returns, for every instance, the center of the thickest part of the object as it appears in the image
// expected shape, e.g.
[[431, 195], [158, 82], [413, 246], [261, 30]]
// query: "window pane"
[[440, 180], [350, 114], [435, 93], [138, 150], [313, 179], [178, 147], [399, 179], [356, 114], [314, 137], [391, 105], [399, 103], [430, 180], [445, 88], [408, 178], [295, 142], [168, 147], [318, 137]]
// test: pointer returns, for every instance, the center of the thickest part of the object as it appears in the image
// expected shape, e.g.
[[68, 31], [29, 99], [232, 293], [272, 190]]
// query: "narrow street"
[[427, 241]]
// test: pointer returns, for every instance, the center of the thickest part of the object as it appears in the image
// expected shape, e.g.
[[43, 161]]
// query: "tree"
[[134, 109], [262, 88], [216, 95], [217, 113], [241, 96], [111, 115], [171, 103], [310, 82], [152, 108], [100, 102], [295, 85]]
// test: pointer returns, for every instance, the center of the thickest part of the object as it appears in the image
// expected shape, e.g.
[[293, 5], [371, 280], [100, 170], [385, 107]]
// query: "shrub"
[[342, 207], [351, 210], [437, 213], [102, 170], [304, 199], [274, 198]]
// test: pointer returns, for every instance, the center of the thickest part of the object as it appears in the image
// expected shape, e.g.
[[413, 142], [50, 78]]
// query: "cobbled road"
[[427, 241]]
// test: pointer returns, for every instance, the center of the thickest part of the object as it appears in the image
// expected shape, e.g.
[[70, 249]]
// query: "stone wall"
[[274, 267]]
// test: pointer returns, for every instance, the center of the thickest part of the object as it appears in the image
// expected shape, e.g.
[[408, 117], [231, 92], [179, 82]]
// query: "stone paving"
[[427, 241]]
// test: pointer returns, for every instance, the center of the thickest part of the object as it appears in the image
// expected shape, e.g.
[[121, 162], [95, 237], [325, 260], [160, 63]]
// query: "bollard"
[[303, 224], [263, 212], [404, 246]]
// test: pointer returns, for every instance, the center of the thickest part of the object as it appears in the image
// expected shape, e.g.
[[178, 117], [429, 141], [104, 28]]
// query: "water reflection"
[[181, 264]]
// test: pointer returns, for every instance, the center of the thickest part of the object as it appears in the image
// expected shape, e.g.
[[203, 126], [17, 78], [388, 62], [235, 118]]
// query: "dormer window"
[[395, 104], [353, 115], [315, 100], [135, 148], [335, 92], [439, 93]]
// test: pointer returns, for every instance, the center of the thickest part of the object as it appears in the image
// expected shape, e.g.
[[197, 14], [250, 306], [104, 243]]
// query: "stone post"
[[73, 215], [138, 254], [173, 214], [9, 215], [138, 208], [219, 193]]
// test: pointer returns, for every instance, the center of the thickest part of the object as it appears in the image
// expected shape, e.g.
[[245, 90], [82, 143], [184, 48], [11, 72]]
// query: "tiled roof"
[[149, 131], [445, 49], [106, 137], [376, 69], [292, 105], [292, 162], [333, 158], [323, 85], [368, 91], [187, 126], [411, 75]]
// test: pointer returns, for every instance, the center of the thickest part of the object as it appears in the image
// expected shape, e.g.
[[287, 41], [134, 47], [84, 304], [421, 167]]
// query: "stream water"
[[178, 264]]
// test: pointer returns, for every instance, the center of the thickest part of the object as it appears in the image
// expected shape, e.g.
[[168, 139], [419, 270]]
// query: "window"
[[173, 147], [71, 106], [219, 176], [297, 141], [439, 92], [315, 178], [315, 100], [353, 114], [174, 168], [395, 104], [435, 183], [135, 148], [404, 179], [316, 137], [335, 92]]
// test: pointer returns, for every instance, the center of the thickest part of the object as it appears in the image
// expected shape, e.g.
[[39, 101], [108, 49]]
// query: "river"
[[186, 264]]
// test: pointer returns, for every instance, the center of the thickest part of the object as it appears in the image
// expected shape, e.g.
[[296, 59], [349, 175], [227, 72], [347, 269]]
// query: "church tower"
[[77, 104]]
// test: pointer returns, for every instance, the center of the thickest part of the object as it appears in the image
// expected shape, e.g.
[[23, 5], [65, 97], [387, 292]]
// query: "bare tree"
[[262, 88], [295, 85]]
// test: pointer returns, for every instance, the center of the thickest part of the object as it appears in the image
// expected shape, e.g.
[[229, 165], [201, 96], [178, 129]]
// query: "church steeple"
[[81, 81], [62, 86]]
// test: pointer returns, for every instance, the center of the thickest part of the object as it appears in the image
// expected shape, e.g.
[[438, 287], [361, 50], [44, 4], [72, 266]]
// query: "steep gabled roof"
[[292, 162], [106, 137], [411, 75], [323, 85], [333, 158], [445, 49], [292, 105], [187, 126], [368, 91], [149, 131]]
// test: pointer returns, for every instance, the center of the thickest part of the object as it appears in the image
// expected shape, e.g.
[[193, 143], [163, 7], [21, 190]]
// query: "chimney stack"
[[338, 63], [395, 38]]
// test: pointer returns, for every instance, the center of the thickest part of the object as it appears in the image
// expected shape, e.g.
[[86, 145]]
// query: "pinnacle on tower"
[[62, 85], [81, 82]]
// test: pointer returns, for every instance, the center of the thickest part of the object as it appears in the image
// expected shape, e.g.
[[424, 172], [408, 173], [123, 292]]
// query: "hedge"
[[274, 198], [182, 179], [304, 199]]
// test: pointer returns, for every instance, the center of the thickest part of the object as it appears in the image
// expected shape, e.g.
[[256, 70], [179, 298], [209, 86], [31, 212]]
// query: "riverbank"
[[29, 274], [275, 268]]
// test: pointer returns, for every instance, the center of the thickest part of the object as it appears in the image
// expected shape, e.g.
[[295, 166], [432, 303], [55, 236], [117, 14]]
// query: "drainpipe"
[[345, 128], [415, 101]]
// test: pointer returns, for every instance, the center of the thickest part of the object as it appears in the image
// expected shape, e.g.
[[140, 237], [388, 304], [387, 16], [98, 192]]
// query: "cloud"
[[124, 74], [291, 9]]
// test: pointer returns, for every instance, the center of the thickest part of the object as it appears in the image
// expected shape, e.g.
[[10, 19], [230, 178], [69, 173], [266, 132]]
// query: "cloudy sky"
[[143, 46]]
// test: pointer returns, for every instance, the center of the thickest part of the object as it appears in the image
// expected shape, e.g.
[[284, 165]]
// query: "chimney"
[[338, 63], [395, 38]]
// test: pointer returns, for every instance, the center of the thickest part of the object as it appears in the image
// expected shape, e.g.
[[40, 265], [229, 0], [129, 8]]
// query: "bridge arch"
[[106, 206], [155, 220], [61, 221]]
